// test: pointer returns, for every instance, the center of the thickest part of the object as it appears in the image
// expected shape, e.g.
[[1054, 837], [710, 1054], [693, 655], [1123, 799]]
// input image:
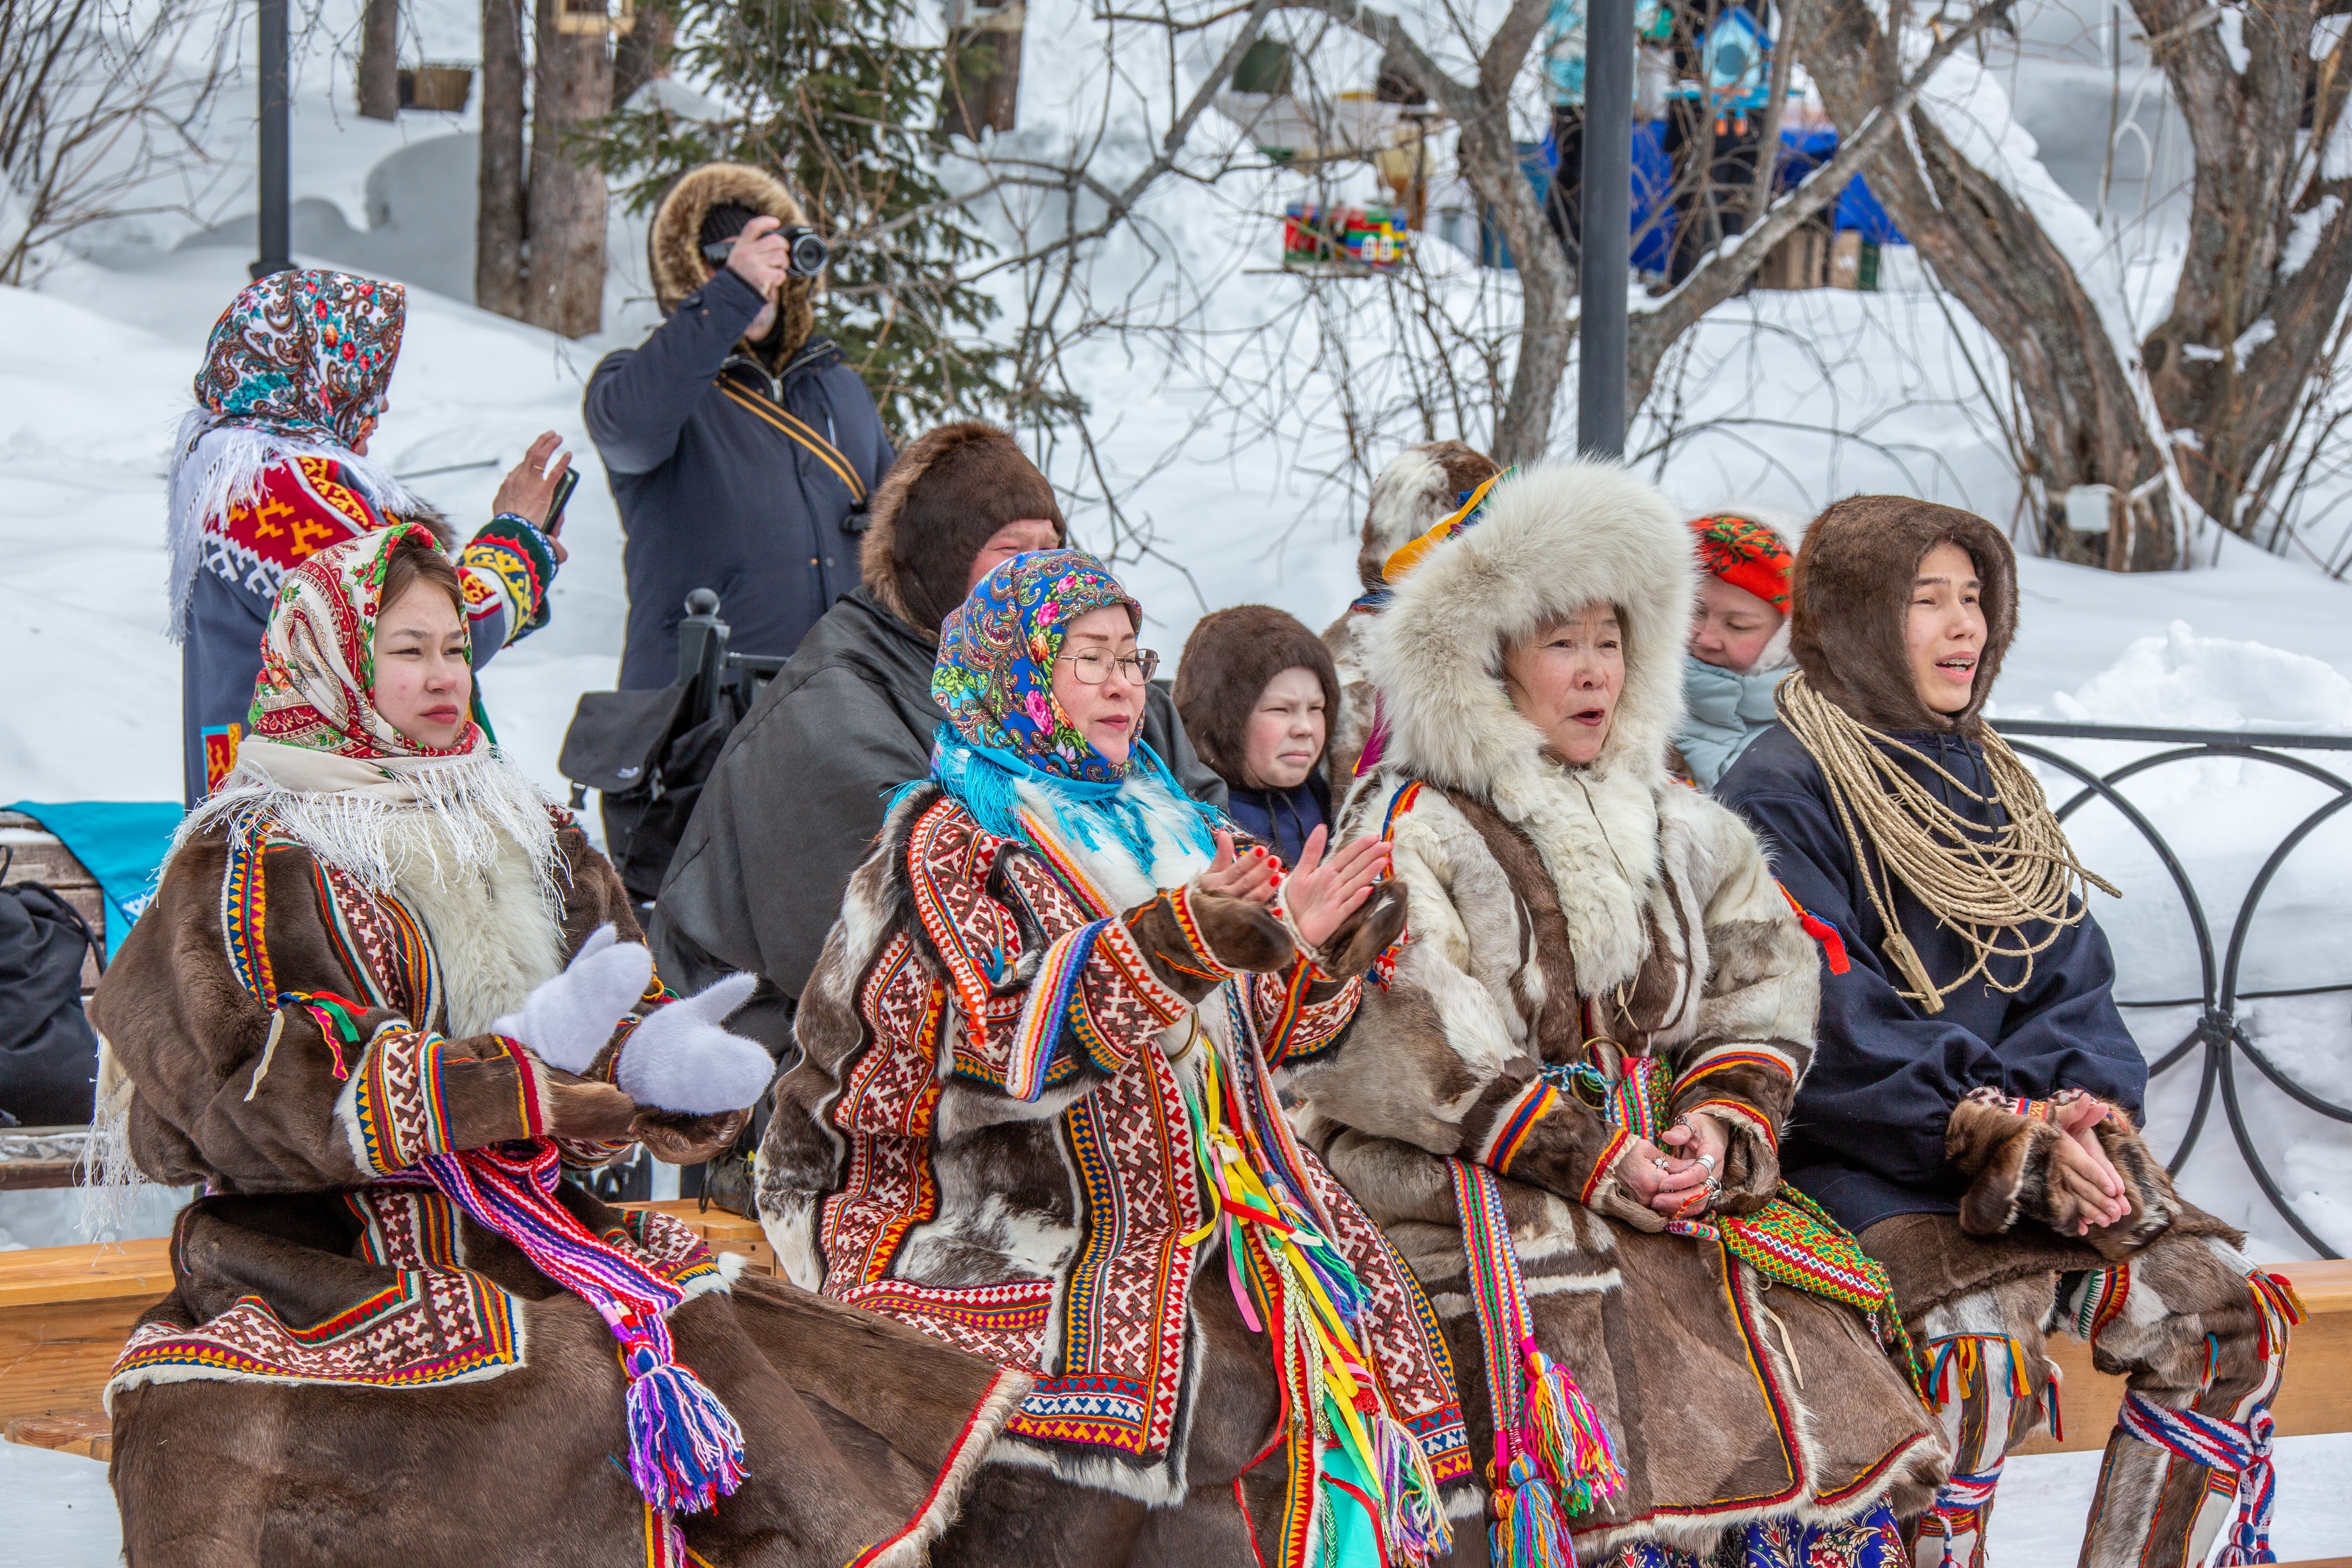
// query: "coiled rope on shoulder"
[[1987, 885]]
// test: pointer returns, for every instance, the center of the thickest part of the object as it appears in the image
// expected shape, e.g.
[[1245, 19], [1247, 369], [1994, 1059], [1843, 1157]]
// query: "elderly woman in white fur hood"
[[1563, 1104]]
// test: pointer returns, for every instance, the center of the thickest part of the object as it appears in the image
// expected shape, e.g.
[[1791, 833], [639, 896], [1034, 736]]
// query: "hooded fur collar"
[[673, 247], [1553, 540], [1850, 594]]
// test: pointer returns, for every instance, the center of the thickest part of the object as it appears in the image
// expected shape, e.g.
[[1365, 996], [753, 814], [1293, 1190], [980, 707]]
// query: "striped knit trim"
[[1618, 1139], [1515, 1121], [1180, 904], [1726, 1059]]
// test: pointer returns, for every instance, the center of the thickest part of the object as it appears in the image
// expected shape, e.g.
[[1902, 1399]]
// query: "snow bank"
[[2186, 681]]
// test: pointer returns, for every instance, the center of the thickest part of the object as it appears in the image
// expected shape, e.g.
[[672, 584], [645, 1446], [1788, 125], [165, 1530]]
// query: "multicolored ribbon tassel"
[[1351, 1457]]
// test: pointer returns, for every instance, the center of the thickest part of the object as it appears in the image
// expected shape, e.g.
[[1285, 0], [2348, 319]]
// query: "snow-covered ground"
[[95, 363]]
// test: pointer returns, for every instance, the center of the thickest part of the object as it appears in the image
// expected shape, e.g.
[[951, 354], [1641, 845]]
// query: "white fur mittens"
[[680, 1060], [567, 1020]]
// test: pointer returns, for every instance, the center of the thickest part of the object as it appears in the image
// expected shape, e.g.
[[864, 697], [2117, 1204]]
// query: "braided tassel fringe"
[[1414, 1520], [686, 1451], [1568, 1432], [1529, 1532]]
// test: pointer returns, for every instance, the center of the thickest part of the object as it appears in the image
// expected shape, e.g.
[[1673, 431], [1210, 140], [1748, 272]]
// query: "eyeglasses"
[[1094, 666]]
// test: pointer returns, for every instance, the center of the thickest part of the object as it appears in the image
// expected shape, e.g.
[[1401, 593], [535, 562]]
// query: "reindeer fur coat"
[[1547, 906]]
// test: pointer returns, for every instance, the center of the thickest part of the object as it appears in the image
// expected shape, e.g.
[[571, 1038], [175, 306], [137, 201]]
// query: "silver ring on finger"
[[1708, 1161]]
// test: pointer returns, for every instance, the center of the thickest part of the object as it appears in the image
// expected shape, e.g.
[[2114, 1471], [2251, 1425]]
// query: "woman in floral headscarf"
[[383, 996], [1035, 1117], [271, 466]]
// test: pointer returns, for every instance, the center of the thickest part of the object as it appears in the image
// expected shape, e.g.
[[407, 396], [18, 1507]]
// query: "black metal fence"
[[2217, 1039]]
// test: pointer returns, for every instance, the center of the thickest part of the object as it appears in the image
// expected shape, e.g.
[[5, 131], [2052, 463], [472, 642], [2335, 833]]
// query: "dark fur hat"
[[949, 492], [1851, 592], [674, 246], [1227, 661]]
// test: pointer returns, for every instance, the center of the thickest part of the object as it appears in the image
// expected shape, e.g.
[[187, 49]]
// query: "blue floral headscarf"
[[304, 355], [995, 679]]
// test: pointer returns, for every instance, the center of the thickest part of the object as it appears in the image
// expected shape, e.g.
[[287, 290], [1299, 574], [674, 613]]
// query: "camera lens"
[[808, 253]]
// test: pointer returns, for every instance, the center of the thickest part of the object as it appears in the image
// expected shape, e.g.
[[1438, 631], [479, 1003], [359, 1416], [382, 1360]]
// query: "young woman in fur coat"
[[1035, 1116], [1564, 1102], [384, 994], [1971, 1109]]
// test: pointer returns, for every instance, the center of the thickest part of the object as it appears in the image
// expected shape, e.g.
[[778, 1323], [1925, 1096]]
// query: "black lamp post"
[[1607, 239], [277, 236]]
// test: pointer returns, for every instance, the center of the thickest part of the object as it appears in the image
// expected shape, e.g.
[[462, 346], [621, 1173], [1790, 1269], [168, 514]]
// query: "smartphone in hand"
[[563, 489]]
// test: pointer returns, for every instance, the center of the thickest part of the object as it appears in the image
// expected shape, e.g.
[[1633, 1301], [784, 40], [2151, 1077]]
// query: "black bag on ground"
[[48, 1052]]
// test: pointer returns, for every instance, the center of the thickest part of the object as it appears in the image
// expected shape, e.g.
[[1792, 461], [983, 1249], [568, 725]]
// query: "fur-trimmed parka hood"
[[1419, 488], [1851, 593], [949, 492], [1551, 541], [1227, 661], [674, 249]]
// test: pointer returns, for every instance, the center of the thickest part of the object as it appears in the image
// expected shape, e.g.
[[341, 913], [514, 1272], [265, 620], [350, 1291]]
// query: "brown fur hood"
[[949, 492], [674, 251], [1227, 661], [1419, 488], [1552, 539], [1851, 592]]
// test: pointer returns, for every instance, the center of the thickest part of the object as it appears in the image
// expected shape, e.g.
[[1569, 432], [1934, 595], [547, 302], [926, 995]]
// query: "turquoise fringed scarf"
[[1004, 729]]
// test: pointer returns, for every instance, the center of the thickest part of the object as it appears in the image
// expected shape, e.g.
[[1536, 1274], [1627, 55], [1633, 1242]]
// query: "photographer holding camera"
[[742, 449]]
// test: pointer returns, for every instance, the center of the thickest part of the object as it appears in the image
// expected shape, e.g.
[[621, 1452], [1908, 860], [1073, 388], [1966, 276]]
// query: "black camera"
[[805, 250]]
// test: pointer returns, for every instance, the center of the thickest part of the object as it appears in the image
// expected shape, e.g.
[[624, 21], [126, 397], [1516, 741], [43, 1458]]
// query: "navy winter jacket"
[[1866, 1138], [1283, 819], [730, 479]]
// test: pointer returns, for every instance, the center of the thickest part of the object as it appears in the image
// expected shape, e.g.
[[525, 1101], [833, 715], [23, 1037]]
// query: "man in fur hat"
[[797, 796], [743, 451], [1972, 1107], [1421, 488]]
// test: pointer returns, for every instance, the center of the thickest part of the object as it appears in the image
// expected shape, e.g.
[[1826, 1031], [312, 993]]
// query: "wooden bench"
[[2318, 1395], [66, 1311]]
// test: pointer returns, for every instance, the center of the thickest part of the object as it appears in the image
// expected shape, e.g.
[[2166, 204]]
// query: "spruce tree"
[[829, 94]]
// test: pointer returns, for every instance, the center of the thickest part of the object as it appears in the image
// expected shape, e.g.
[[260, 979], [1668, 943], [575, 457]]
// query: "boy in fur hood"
[[1971, 1113], [741, 451], [797, 796]]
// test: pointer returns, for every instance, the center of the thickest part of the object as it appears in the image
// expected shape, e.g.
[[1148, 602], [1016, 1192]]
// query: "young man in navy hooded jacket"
[[1975, 1126], [742, 449]]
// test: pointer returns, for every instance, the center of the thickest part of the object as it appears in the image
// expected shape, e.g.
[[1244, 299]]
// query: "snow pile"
[[2182, 680]]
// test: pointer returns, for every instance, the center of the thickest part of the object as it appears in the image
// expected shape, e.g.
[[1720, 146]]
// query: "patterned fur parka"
[[1548, 907]]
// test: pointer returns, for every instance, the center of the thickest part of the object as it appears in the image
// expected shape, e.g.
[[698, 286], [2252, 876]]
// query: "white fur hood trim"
[[1553, 540]]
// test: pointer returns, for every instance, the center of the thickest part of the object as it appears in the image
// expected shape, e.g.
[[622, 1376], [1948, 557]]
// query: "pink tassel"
[[1568, 1432]]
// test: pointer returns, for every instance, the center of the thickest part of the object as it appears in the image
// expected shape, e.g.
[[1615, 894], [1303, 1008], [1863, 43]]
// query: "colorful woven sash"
[[1790, 1240], [1553, 1457], [1349, 1453], [686, 1452]]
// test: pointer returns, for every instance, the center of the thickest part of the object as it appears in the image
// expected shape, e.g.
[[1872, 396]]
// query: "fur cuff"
[[2154, 1203], [1368, 931], [1612, 1198], [1196, 940], [2004, 1146]]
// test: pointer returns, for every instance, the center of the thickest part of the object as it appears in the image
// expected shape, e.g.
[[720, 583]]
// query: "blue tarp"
[[1654, 222], [121, 843]]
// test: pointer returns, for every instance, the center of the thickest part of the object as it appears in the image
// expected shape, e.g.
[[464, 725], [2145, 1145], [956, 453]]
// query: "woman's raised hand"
[[1324, 892], [1250, 874]]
